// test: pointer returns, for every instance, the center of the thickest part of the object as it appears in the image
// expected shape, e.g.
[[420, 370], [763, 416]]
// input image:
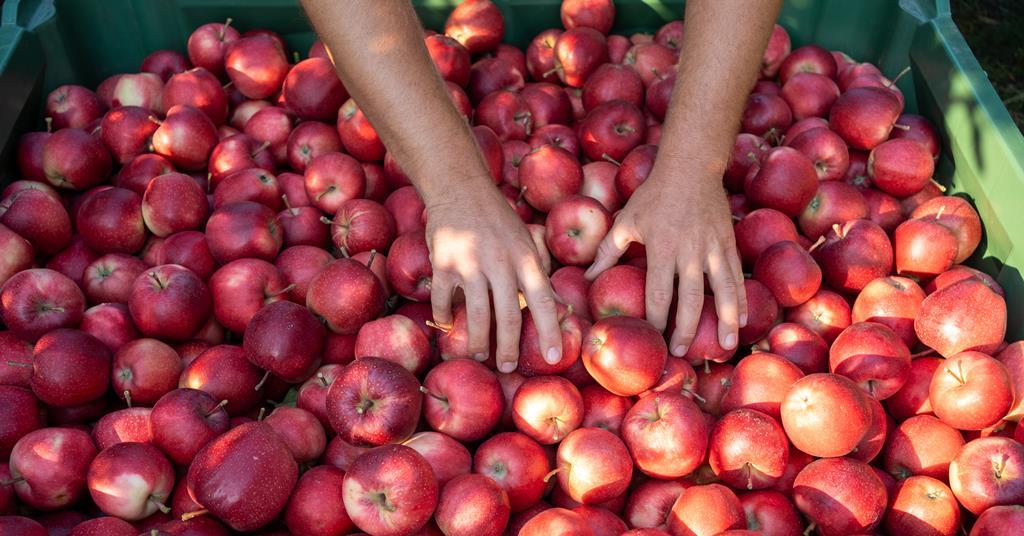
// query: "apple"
[[407, 208], [350, 278], [144, 90], [395, 338], [705, 346], [956, 214], [986, 473], [173, 202], [547, 408], [959, 273], [186, 137], [548, 175], [476, 24], [517, 463], [332, 179], [299, 265], [540, 56], [471, 505], [33, 302], [549, 105], [618, 291], [72, 106], [312, 394], [809, 94], [826, 313], [237, 152], [770, 512], [854, 254], [307, 141], [808, 59], [313, 505], [920, 130], [21, 415], [271, 125], [29, 155], [650, 502], [578, 53], [37, 217], [924, 248], [804, 125], [922, 445], [358, 135], [830, 481], [390, 490], [111, 221], [226, 374], [789, 272], [169, 302], [111, 323], [491, 74], [252, 184], [49, 467], [129, 425], [766, 115], [596, 14], [659, 96], [183, 421], [557, 135], [760, 382], [199, 88], [748, 448], [971, 391], [815, 404], [625, 355], [362, 225], [634, 170], [611, 130], [144, 370], [746, 152], [243, 111], [873, 356], [104, 526], [913, 398], [998, 520], [967, 315], [450, 58], [74, 159], [900, 167], [131, 480], [164, 63], [188, 249], [705, 509], [447, 457], [243, 229], [207, 45], [1013, 358], [648, 425], [126, 132], [759, 230], [256, 65], [785, 180], [892, 301], [313, 91], [374, 401], [650, 60], [574, 228], [602, 409], [776, 51], [244, 495], [300, 431], [447, 408], [73, 260], [613, 82], [593, 465], [864, 116], [285, 339]]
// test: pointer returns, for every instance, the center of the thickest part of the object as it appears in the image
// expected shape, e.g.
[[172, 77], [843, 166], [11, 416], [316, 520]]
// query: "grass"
[[993, 29]]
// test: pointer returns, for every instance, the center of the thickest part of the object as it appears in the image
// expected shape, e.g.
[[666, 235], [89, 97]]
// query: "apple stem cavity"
[[190, 515], [364, 405], [285, 290], [958, 375], [259, 384], [323, 379]]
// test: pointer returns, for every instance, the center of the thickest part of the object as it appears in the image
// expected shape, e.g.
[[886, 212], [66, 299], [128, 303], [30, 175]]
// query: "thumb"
[[611, 248]]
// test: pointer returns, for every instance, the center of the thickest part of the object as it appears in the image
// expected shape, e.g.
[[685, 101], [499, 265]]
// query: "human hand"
[[686, 231], [477, 242]]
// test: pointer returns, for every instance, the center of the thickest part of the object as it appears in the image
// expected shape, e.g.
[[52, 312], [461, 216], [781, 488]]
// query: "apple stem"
[[694, 394], [224, 28], [12, 481], [325, 219], [438, 327], [285, 290], [49, 124], [373, 255], [904, 128], [128, 397], [898, 76], [189, 515], [344, 252], [810, 528], [939, 213], [263, 413], [923, 353], [424, 390], [1000, 468], [750, 477], [957, 377], [939, 186], [551, 71], [751, 156], [837, 229], [707, 367], [552, 473], [220, 405], [18, 364], [522, 193], [323, 379], [159, 505], [259, 384], [364, 405], [295, 56], [156, 279], [260, 149], [287, 205], [814, 246], [736, 218], [605, 156]]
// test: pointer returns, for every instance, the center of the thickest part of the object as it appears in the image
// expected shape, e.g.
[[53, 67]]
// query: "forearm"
[[379, 53], [723, 43]]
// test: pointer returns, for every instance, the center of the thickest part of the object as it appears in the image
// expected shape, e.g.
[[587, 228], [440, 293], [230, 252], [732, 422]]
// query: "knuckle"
[[660, 296]]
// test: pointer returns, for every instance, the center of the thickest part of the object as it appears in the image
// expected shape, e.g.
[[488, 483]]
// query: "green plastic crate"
[[45, 43]]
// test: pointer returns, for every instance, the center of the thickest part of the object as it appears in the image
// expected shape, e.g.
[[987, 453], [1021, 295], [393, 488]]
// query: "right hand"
[[477, 242]]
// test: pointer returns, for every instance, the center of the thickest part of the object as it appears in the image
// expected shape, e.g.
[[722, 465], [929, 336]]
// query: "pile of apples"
[[216, 308]]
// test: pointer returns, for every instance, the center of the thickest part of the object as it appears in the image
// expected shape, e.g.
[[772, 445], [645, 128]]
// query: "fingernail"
[[743, 320], [679, 351], [553, 355], [730, 341], [480, 356], [507, 367]]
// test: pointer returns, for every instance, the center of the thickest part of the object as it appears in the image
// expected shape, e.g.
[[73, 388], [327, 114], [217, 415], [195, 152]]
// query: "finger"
[[478, 315], [509, 320], [658, 294], [442, 286], [542, 251], [691, 300], [541, 301], [610, 249], [741, 290], [724, 287]]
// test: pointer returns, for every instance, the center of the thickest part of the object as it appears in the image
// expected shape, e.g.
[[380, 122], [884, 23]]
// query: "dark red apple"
[[809, 94], [131, 480], [789, 272], [35, 301], [785, 180], [37, 217], [854, 254], [767, 116], [956, 214], [198, 88], [307, 141], [830, 481], [169, 302], [611, 130], [286, 340], [635, 169], [49, 467], [578, 53], [207, 44], [71, 106], [548, 175], [477, 24], [314, 502], [173, 202], [75, 160], [490, 74], [144, 370], [471, 505], [186, 137], [332, 179], [126, 132], [390, 490], [574, 228], [864, 116], [374, 401], [313, 91], [256, 65]]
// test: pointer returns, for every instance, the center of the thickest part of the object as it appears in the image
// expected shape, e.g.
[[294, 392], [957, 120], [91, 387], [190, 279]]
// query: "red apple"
[[922, 445], [748, 448], [224, 373], [659, 96], [785, 180], [390, 490], [815, 404], [959, 273], [186, 137], [144, 90], [920, 130], [900, 167], [705, 510], [611, 130], [490, 74], [313, 91], [73, 106], [199, 88], [864, 116], [299, 265], [987, 473], [110, 323], [517, 463], [477, 24], [471, 505], [650, 502], [548, 103], [613, 82], [332, 179], [893, 302], [131, 480], [826, 313], [238, 152], [447, 411], [596, 14], [173, 202], [547, 408], [746, 152], [243, 229], [924, 248], [789, 272], [129, 425], [21, 414], [766, 115], [618, 291], [809, 94], [36, 301], [634, 170], [353, 279], [760, 382], [555, 521], [314, 502], [144, 370], [37, 217], [169, 302], [854, 254], [971, 391], [256, 65], [625, 355], [967, 315], [374, 401], [776, 51], [574, 228], [873, 356], [666, 434], [450, 57], [809, 59], [49, 467], [307, 141], [111, 221], [207, 44], [126, 132], [548, 175], [593, 465], [830, 481], [75, 160], [956, 214], [578, 53], [286, 340]]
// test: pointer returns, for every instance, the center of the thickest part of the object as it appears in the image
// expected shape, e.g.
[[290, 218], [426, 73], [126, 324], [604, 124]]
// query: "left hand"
[[686, 230]]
